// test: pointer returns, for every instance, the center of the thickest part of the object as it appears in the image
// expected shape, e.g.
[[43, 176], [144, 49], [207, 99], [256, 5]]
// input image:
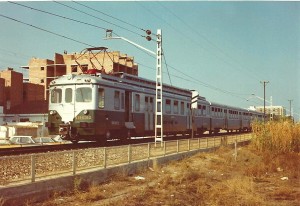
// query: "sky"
[[224, 50]]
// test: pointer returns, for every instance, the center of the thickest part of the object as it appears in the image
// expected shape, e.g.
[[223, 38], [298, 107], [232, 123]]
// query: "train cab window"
[[101, 98], [84, 94], [117, 100], [137, 102], [204, 110], [175, 108], [56, 95], [199, 110], [182, 108], [168, 106], [68, 95]]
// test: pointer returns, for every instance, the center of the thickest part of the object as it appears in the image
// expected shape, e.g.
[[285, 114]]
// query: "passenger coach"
[[100, 107]]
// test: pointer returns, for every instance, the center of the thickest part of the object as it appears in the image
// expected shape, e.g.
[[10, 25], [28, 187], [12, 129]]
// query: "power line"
[[109, 16], [45, 30], [70, 7], [57, 15]]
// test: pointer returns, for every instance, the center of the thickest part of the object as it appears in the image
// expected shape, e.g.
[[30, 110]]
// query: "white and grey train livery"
[[99, 107]]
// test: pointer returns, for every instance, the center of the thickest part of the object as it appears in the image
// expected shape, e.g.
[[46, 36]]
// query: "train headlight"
[[87, 80], [52, 112], [85, 112]]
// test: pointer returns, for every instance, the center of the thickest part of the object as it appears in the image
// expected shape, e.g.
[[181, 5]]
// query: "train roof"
[[116, 77]]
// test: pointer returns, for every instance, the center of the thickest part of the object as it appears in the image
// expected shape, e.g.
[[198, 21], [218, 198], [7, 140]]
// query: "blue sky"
[[221, 49]]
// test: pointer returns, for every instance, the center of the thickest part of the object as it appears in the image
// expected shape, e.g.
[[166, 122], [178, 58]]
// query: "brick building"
[[13, 88], [2, 92], [43, 71]]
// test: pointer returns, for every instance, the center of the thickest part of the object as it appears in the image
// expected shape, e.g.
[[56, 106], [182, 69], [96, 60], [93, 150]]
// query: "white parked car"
[[21, 140]]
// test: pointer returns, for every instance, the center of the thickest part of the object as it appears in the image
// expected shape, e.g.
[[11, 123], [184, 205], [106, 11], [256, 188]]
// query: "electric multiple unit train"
[[99, 107]]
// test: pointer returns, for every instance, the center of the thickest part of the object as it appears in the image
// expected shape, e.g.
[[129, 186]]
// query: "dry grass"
[[253, 178], [278, 137]]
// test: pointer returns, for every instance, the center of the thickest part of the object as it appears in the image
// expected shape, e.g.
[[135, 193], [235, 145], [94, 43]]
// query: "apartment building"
[[43, 71]]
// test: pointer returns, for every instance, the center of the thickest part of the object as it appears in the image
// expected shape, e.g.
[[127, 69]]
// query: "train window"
[[168, 106], [137, 102], [122, 101], [68, 95], [151, 104], [84, 94], [146, 103], [117, 100], [101, 98], [204, 110], [56, 96], [182, 108], [175, 107]]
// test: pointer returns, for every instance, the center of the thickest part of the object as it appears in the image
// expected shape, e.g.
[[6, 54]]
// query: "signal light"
[[148, 32], [148, 38]]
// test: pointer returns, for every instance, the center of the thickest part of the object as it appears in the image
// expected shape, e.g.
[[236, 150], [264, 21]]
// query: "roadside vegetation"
[[266, 172]]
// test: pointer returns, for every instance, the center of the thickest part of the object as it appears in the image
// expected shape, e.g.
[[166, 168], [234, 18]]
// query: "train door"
[[148, 113], [128, 106], [189, 117]]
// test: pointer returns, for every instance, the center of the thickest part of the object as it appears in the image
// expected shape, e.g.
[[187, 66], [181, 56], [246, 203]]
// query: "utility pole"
[[264, 82]]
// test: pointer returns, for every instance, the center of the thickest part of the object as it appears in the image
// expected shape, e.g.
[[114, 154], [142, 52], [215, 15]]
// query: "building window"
[[74, 68], [68, 95], [42, 80], [84, 67], [42, 68], [101, 98]]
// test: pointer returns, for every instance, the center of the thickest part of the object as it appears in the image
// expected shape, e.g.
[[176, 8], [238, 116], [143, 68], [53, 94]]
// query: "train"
[[95, 106]]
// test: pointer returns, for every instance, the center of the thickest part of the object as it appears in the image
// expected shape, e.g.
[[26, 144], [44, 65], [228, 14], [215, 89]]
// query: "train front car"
[[72, 107]]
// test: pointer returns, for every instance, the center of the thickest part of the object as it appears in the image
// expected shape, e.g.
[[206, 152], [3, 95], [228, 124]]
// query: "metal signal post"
[[159, 90]]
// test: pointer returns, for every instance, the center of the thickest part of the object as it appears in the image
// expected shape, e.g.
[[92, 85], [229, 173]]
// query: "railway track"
[[10, 150]]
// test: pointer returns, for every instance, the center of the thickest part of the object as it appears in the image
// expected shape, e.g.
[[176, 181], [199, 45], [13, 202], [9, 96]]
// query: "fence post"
[[32, 168], [177, 146], [165, 148], [74, 163], [148, 150], [189, 145], [206, 142], [104, 157], [129, 153], [198, 143]]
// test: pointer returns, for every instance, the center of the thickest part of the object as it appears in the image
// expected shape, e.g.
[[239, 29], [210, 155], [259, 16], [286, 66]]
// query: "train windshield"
[[56, 95], [84, 94]]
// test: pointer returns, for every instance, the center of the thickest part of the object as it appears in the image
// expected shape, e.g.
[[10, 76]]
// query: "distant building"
[[272, 112]]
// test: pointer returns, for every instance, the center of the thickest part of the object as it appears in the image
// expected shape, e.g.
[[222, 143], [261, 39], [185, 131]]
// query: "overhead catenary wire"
[[57, 15], [101, 12], [45, 30], [70, 7]]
